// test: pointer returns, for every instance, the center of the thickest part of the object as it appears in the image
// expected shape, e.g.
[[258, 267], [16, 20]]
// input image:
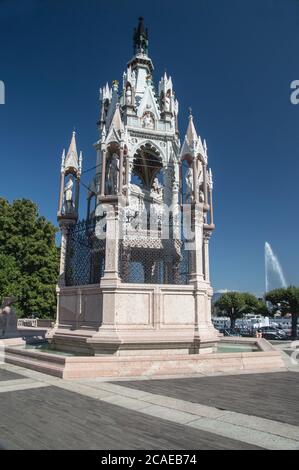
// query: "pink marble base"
[[268, 359]]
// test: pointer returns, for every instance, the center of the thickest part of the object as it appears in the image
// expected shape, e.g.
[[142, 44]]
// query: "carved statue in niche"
[[128, 95], [200, 184], [112, 174], [148, 121], [201, 194], [68, 196], [167, 101], [157, 187], [189, 184], [105, 108]]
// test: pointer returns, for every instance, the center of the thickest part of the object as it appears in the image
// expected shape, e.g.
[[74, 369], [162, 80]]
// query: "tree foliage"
[[28, 258], [286, 300], [235, 304]]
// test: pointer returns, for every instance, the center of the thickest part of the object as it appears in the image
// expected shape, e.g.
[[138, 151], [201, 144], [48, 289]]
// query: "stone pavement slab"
[[272, 396], [267, 433], [122, 399], [245, 434], [8, 375], [54, 418], [20, 384]]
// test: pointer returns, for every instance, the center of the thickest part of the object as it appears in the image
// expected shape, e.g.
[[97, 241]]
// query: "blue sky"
[[231, 61]]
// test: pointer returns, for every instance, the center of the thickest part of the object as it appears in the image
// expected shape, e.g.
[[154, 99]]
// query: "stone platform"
[[124, 319], [164, 365], [234, 412]]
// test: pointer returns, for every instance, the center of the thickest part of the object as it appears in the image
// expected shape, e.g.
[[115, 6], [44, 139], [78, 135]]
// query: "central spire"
[[140, 38]]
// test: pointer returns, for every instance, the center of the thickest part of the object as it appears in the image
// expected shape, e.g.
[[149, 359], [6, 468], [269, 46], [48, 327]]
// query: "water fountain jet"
[[272, 266]]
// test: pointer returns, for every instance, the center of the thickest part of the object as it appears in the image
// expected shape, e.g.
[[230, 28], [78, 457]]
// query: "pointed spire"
[[106, 92], [80, 162], [71, 159], [116, 120], [191, 131], [73, 145], [205, 149], [192, 144], [116, 127], [62, 159], [210, 179], [140, 38]]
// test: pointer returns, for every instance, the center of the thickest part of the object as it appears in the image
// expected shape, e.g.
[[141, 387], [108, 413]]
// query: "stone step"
[[40, 364], [35, 354]]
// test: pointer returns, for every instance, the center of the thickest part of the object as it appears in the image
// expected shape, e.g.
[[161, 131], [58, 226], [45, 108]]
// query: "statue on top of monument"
[[112, 174], [68, 196], [157, 187], [166, 101], [189, 184], [148, 120], [128, 95]]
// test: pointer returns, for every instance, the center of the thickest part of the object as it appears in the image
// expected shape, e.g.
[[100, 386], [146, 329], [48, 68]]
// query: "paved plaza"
[[244, 411]]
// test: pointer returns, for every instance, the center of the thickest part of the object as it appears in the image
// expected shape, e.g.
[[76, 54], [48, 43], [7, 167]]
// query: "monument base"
[[266, 359], [134, 319]]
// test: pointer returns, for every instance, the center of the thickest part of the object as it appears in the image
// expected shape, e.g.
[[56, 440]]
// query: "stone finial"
[[191, 131], [72, 161], [140, 38]]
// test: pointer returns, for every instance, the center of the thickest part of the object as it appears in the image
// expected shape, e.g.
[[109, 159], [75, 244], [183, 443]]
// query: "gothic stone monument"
[[133, 280]]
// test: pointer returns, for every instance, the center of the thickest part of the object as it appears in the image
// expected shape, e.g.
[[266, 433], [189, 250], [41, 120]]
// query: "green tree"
[[286, 300], [9, 276], [235, 304], [28, 258]]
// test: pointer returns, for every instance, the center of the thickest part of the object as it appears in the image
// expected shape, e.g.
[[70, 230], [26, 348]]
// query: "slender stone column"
[[181, 183], [103, 172], [106, 340], [205, 186], [56, 325], [112, 243], [197, 248], [206, 240], [211, 207], [61, 193], [195, 181], [127, 178], [64, 232], [77, 195], [121, 171]]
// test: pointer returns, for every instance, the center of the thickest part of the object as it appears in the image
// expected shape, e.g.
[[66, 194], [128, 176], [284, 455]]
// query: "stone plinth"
[[267, 359], [129, 319]]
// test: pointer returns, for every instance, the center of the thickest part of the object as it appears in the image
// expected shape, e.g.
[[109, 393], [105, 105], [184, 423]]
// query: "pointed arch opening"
[[147, 167]]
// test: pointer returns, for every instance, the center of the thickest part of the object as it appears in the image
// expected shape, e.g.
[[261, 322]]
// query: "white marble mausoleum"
[[134, 274]]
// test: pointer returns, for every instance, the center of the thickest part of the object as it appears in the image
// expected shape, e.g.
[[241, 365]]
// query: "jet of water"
[[272, 266]]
